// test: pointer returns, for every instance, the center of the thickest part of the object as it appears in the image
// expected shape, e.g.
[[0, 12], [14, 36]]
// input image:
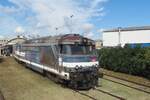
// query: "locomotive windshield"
[[76, 49]]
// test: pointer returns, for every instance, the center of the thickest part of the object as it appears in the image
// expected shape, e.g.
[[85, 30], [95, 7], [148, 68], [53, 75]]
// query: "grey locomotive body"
[[66, 58]]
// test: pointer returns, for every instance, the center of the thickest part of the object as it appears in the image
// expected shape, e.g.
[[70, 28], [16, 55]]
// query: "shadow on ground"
[[1, 96]]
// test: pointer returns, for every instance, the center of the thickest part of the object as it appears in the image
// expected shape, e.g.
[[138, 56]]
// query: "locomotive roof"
[[68, 38]]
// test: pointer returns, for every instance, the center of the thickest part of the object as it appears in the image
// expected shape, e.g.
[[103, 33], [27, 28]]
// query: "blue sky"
[[41, 17], [125, 13]]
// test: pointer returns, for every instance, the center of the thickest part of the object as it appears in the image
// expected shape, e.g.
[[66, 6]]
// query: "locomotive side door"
[[56, 53], [47, 57]]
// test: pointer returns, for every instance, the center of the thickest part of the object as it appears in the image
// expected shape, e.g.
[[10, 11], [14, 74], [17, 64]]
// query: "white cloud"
[[89, 35], [100, 30], [19, 29], [44, 16], [87, 27]]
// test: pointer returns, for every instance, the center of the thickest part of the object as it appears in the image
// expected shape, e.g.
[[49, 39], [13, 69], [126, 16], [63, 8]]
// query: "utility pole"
[[71, 23], [56, 31]]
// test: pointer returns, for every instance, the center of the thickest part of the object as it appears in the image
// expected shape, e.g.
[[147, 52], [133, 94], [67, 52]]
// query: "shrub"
[[129, 60]]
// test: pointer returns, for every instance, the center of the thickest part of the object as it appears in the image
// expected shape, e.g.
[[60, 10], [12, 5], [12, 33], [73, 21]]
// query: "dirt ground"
[[20, 83]]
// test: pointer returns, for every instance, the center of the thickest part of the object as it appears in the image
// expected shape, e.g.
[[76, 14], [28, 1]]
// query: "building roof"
[[16, 40], [128, 29]]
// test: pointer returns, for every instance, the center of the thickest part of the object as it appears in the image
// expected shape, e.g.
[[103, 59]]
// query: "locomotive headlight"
[[96, 65], [76, 67]]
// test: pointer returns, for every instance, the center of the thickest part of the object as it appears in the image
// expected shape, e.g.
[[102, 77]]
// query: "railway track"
[[102, 91], [128, 81], [96, 89], [139, 87], [108, 93], [121, 83], [86, 95]]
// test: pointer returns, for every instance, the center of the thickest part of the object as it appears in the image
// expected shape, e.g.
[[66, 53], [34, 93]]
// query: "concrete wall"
[[112, 38]]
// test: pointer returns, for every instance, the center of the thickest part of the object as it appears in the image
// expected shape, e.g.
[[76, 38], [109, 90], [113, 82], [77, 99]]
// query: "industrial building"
[[6, 45], [98, 44], [2, 43], [130, 35]]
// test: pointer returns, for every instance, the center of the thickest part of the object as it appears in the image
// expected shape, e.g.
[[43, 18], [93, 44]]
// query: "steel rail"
[[127, 85], [85, 95], [108, 93], [128, 80]]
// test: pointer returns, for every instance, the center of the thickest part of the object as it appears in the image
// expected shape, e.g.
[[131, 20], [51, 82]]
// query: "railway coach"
[[65, 58]]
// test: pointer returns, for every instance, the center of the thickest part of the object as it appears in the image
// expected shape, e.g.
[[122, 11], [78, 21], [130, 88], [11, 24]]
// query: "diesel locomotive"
[[67, 58]]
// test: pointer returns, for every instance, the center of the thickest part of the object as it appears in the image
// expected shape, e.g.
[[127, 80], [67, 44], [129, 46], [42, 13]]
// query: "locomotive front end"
[[83, 71], [78, 61]]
